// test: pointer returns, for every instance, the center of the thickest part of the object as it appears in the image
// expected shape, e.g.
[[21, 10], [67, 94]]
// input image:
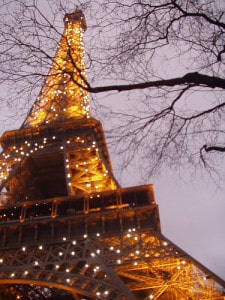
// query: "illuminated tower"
[[59, 150], [67, 229]]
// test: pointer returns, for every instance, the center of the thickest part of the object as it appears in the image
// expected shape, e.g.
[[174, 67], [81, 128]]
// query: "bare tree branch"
[[166, 56], [214, 148], [190, 78]]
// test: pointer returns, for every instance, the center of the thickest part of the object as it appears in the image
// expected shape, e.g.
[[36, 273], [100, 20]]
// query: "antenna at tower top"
[[76, 15]]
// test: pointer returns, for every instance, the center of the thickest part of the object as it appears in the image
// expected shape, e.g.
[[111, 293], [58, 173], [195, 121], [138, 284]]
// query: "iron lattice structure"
[[68, 231]]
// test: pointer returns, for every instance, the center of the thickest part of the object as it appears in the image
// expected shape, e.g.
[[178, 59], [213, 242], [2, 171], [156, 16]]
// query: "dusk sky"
[[192, 216], [192, 209]]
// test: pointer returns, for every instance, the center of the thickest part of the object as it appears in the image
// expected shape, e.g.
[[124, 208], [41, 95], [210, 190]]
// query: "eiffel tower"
[[68, 230]]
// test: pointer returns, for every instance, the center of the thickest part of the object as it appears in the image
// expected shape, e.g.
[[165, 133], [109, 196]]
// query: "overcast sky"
[[192, 209], [192, 213]]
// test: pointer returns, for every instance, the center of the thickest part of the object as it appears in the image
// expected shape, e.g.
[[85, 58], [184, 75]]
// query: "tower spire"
[[63, 95]]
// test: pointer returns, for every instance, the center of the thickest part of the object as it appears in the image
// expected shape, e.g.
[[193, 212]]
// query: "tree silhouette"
[[165, 57]]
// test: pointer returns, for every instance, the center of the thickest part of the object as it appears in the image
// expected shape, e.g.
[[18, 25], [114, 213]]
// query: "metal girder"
[[110, 267]]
